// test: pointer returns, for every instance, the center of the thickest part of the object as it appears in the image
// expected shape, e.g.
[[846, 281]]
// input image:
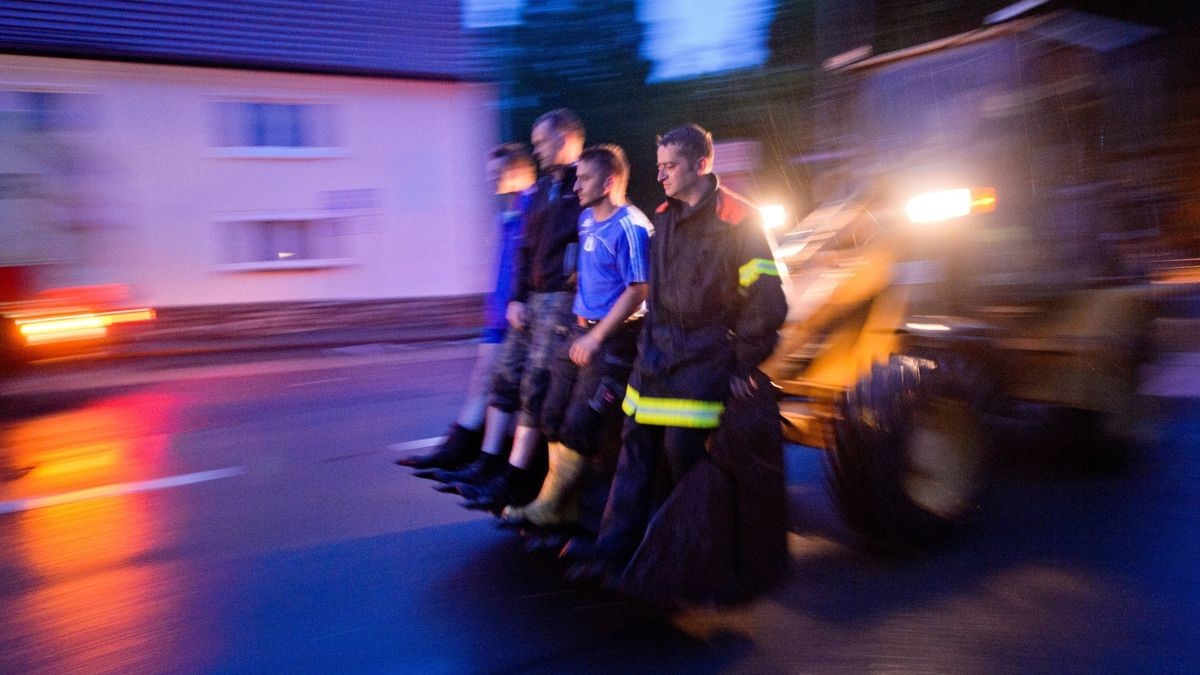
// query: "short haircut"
[[692, 140], [610, 159], [562, 121], [513, 156]]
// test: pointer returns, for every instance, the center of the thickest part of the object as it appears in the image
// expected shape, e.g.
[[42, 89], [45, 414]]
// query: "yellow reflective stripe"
[[751, 271], [672, 412], [690, 420], [629, 405]]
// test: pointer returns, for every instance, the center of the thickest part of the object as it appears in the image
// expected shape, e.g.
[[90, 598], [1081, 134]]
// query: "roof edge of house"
[[83, 54]]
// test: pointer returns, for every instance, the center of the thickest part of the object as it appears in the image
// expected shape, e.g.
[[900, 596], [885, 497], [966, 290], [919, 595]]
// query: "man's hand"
[[516, 314], [742, 387], [584, 348]]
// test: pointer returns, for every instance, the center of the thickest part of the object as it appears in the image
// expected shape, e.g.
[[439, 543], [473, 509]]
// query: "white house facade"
[[215, 177]]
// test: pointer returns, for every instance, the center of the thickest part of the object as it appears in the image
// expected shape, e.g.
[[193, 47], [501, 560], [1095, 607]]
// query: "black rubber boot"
[[587, 562], [460, 447], [482, 469], [512, 487]]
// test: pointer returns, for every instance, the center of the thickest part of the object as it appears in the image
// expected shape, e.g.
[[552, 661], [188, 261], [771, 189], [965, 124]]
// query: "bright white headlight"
[[932, 207], [773, 215]]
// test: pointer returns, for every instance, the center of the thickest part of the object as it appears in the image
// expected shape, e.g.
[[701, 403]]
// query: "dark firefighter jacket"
[[715, 306], [546, 257]]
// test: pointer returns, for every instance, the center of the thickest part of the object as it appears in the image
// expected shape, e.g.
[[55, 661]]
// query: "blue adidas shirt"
[[613, 254]]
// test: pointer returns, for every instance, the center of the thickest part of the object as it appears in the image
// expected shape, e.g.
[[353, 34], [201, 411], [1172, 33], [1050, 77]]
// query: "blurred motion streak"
[[92, 606], [93, 460], [42, 330], [63, 259]]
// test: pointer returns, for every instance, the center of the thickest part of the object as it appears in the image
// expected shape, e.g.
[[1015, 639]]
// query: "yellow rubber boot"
[[557, 503]]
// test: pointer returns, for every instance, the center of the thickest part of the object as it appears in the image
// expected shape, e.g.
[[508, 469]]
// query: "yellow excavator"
[[965, 275]]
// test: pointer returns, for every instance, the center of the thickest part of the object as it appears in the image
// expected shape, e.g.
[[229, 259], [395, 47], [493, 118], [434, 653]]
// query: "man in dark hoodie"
[[539, 315]]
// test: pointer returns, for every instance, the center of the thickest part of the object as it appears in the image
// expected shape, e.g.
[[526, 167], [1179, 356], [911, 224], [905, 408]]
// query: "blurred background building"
[[263, 152], [254, 152]]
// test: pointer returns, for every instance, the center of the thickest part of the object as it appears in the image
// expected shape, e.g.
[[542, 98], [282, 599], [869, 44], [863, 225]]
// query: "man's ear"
[[609, 184], [702, 165]]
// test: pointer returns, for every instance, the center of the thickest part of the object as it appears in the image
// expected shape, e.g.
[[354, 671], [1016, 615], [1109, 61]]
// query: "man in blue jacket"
[[511, 169]]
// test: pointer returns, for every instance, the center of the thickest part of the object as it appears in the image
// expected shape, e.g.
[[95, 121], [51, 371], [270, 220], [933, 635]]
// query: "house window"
[[287, 242], [256, 125], [44, 111]]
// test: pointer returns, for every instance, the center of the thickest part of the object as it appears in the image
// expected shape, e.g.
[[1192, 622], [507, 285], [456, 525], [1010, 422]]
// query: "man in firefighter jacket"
[[715, 306]]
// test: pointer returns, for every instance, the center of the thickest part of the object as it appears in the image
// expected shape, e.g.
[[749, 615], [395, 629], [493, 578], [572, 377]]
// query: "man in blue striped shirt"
[[588, 376]]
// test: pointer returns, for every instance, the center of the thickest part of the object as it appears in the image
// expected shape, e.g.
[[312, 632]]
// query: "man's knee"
[[504, 394], [551, 422], [581, 429], [534, 387]]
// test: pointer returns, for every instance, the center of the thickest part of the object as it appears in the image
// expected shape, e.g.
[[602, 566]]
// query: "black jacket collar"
[[686, 212]]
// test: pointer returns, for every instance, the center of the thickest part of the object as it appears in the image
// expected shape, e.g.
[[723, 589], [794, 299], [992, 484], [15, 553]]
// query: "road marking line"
[[417, 445], [311, 383], [18, 505], [353, 455]]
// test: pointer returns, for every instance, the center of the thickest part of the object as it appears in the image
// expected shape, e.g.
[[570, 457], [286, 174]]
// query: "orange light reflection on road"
[[92, 461], [92, 602]]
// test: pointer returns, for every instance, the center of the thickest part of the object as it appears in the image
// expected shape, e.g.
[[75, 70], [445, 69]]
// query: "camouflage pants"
[[522, 374]]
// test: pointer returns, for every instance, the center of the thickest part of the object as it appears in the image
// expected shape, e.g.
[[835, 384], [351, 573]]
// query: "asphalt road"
[[232, 514]]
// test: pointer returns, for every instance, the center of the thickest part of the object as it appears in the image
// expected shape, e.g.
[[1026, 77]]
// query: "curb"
[[257, 327], [323, 340]]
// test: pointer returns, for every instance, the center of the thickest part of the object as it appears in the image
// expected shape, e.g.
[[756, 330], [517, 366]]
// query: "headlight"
[[772, 215], [932, 207]]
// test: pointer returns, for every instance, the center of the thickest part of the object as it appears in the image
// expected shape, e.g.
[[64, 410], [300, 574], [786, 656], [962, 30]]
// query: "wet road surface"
[[243, 515]]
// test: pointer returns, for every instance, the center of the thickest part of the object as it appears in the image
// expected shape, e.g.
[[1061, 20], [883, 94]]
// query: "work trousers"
[[585, 401], [631, 498], [522, 374]]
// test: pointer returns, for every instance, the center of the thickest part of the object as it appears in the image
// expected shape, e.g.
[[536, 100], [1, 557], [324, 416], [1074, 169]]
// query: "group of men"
[[617, 328]]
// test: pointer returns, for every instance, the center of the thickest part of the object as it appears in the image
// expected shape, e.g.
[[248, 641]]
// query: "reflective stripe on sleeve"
[[671, 412], [751, 271]]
